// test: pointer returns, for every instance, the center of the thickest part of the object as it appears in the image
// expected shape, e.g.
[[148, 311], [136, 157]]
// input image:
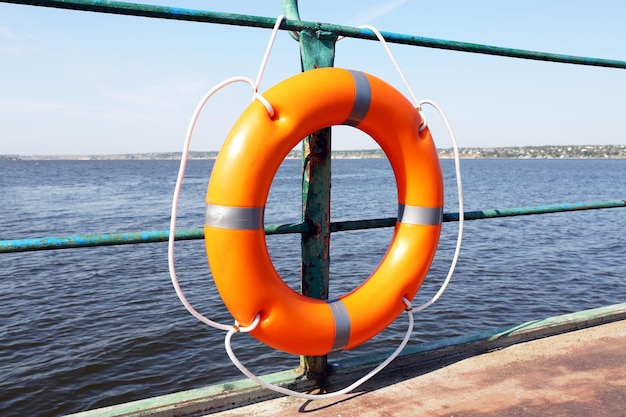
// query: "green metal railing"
[[291, 24], [317, 49], [133, 238]]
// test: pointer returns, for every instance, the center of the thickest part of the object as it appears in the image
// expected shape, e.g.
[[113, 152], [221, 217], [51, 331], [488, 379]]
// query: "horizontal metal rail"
[[67, 242], [176, 13]]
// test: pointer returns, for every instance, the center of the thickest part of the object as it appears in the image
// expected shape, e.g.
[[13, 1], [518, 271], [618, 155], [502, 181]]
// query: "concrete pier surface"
[[575, 374]]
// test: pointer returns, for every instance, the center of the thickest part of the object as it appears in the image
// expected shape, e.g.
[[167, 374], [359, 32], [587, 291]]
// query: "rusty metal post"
[[317, 50]]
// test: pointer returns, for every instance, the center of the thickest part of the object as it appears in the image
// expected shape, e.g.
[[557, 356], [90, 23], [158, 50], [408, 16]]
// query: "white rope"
[[177, 188], [393, 61], [335, 394], [259, 76], [457, 166], [383, 42], [183, 166]]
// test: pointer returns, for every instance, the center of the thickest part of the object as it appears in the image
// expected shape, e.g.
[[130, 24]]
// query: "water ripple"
[[93, 327]]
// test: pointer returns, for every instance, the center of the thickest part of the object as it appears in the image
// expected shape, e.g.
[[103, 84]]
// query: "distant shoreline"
[[521, 152]]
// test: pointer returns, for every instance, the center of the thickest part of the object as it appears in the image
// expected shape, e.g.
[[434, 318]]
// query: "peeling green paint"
[[317, 50]]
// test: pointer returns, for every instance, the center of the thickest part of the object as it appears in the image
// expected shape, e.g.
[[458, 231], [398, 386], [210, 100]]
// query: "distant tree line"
[[522, 152]]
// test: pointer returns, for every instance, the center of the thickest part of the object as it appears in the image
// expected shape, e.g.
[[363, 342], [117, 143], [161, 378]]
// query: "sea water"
[[92, 327]]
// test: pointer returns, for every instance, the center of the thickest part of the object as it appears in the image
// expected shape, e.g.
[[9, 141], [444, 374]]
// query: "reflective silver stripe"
[[420, 215], [342, 325], [362, 98], [238, 218]]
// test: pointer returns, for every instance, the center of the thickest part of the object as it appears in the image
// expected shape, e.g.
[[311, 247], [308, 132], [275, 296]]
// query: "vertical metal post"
[[317, 50]]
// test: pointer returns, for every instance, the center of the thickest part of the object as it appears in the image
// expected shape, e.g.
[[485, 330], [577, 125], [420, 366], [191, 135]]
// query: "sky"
[[90, 83]]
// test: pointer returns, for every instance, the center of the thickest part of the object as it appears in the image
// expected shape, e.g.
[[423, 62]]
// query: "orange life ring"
[[240, 182]]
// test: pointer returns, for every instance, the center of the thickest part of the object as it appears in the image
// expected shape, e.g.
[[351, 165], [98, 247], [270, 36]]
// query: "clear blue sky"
[[89, 83]]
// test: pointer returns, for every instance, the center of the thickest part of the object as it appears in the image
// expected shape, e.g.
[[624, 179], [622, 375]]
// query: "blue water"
[[91, 327]]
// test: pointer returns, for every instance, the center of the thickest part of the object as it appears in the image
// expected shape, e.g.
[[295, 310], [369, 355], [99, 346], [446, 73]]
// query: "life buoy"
[[239, 185]]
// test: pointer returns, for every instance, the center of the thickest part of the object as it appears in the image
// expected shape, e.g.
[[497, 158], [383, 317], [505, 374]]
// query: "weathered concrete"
[[580, 373]]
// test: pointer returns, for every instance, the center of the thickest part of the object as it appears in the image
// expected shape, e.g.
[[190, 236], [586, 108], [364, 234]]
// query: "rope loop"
[[419, 107], [181, 174], [351, 387], [383, 42], [265, 102], [247, 329], [266, 56], [424, 120], [457, 167]]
